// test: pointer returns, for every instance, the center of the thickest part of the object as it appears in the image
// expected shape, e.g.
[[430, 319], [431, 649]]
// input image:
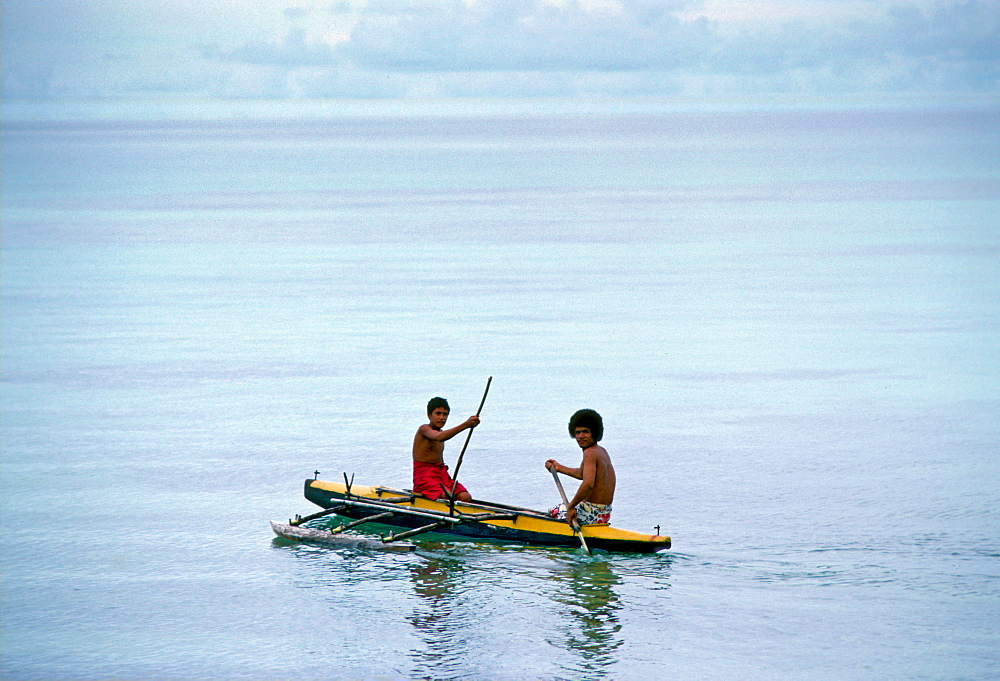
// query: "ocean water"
[[788, 318]]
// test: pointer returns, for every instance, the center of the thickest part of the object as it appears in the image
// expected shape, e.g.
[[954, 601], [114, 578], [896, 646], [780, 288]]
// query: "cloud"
[[966, 31], [399, 48], [291, 51], [499, 35]]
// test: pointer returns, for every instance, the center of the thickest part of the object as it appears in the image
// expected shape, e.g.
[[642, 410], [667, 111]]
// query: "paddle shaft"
[[454, 484], [469, 436], [575, 525]]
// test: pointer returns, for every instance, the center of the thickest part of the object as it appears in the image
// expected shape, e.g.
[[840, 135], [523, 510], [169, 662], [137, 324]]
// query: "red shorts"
[[432, 480]]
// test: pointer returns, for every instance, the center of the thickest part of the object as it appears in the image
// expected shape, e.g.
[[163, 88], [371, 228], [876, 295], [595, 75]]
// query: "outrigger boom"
[[472, 520]]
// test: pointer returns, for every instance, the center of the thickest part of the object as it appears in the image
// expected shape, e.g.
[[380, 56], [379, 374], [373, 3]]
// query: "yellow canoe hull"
[[519, 524]]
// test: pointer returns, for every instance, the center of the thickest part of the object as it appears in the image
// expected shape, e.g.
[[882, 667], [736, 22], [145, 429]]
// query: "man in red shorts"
[[430, 475]]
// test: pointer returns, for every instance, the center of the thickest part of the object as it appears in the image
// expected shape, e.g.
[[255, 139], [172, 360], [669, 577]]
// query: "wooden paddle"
[[575, 525], [468, 437]]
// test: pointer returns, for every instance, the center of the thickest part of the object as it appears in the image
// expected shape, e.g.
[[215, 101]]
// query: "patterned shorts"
[[586, 513]]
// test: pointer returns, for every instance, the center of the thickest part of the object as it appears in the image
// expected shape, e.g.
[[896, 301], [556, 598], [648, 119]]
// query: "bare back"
[[603, 491]]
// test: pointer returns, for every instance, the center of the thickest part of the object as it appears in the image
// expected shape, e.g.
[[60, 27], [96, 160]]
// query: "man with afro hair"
[[591, 505]]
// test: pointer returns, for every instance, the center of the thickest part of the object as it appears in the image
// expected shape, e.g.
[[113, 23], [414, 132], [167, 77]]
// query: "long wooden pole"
[[454, 477], [469, 436], [575, 525], [299, 520], [369, 519], [414, 532]]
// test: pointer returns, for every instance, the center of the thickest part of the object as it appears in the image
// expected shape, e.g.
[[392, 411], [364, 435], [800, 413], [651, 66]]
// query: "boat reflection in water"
[[474, 602], [441, 618], [480, 610], [589, 626]]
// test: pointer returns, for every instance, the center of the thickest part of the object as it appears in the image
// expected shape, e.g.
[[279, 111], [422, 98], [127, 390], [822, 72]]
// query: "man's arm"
[[554, 465], [588, 476], [443, 435]]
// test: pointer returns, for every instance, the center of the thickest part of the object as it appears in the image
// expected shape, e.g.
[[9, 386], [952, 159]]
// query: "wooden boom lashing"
[[319, 514], [369, 519], [419, 530]]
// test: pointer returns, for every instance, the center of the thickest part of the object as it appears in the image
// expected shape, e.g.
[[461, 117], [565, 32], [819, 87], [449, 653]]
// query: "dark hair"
[[587, 418], [437, 402]]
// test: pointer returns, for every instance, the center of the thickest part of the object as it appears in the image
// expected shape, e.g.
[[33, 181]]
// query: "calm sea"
[[788, 318]]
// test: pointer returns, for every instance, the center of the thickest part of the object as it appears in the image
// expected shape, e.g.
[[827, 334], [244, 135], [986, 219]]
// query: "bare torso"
[[603, 490], [425, 449]]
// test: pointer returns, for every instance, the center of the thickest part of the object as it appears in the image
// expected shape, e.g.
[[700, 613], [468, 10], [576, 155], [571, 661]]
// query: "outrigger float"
[[414, 514]]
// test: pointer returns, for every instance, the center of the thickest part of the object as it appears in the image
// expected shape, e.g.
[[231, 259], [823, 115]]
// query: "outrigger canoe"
[[415, 514]]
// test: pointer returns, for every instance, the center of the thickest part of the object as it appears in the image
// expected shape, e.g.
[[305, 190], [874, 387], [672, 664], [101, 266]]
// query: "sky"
[[121, 50]]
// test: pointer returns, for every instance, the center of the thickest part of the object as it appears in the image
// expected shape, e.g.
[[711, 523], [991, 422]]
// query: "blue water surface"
[[788, 318]]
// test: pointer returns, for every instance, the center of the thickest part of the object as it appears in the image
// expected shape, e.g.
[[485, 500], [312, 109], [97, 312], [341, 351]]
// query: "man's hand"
[[552, 465], [472, 421], [571, 517]]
